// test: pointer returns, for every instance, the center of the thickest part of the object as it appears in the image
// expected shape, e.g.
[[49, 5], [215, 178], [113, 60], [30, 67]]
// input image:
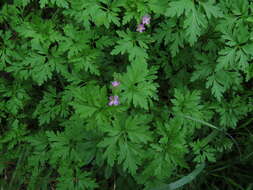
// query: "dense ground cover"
[[126, 94]]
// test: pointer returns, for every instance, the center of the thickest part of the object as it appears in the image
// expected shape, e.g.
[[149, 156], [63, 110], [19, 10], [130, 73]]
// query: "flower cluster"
[[115, 83], [145, 21], [114, 100]]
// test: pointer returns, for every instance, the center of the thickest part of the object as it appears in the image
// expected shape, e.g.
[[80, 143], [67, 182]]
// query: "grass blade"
[[184, 180], [214, 127]]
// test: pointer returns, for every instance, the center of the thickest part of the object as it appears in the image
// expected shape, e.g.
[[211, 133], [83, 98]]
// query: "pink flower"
[[114, 100], [140, 28], [115, 83], [146, 19]]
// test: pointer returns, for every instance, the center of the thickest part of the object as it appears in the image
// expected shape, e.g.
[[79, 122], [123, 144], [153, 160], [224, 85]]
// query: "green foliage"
[[125, 140], [138, 85], [181, 96]]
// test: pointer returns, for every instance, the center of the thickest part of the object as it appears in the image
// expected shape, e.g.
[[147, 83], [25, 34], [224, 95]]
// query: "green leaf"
[[128, 45], [158, 6], [231, 112], [226, 58], [61, 3], [59, 143], [43, 3], [85, 110], [217, 88], [186, 102], [22, 2], [193, 25], [124, 140], [203, 70], [85, 180], [248, 48], [90, 102], [176, 43], [178, 8], [127, 154], [137, 87], [65, 178], [111, 149], [203, 153], [223, 80], [87, 62], [211, 9], [34, 66], [242, 60], [50, 108]]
